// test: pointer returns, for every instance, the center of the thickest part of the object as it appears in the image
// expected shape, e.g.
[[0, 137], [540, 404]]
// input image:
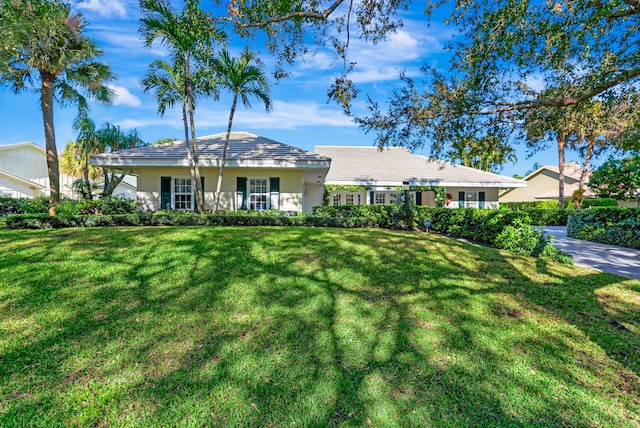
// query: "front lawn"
[[307, 327]]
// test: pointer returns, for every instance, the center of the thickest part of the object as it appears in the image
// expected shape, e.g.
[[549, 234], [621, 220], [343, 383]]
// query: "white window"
[[349, 199], [182, 194], [337, 199], [380, 198], [258, 193]]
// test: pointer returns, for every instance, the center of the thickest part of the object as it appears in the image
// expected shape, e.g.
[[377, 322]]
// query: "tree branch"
[[624, 76], [304, 14], [634, 9]]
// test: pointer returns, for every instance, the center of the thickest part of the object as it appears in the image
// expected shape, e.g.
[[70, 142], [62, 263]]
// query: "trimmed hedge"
[[44, 221], [599, 202], [608, 225], [538, 205], [548, 217], [509, 230], [67, 207]]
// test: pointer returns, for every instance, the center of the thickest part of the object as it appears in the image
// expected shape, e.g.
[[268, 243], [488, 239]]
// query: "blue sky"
[[301, 115]]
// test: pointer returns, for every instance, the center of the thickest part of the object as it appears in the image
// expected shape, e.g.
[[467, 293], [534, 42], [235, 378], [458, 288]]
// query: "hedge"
[[608, 225], [538, 205], [67, 207], [548, 217], [509, 230]]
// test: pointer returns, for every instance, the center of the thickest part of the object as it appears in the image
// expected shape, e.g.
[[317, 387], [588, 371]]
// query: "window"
[[337, 199], [258, 194], [379, 198], [182, 194], [393, 197], [349, 199]]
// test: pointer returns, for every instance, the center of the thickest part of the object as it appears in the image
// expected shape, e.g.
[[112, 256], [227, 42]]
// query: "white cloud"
[[285, 115], [124, 97], [105, 8]]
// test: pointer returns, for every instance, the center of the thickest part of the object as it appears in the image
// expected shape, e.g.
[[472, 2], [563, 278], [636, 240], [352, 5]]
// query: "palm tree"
[[41, 41], [190, 36], [167, 82], [243, 80], [87, 143], [109, 138]]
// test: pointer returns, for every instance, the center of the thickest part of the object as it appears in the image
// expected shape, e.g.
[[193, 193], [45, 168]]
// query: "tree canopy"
[[617, 178], [43, 49]]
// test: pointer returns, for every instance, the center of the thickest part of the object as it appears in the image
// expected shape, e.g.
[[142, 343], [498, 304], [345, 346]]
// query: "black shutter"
[[371, 198], [274, 193], [460, 199], [481, 197], [418, 198], [195, 202], [165, 193], [241, 193]]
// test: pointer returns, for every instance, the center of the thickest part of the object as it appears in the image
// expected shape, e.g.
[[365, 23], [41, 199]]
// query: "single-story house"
[[543, 184], [259, 174], [24, 174], [383, 172]]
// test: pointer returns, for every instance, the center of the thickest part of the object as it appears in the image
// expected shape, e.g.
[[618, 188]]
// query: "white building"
[[23, 174]]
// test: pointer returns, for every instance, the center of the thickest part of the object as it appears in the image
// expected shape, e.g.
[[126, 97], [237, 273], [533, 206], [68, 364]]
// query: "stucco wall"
[[490, 196], [313, 196], [148, 194], [540, 184]]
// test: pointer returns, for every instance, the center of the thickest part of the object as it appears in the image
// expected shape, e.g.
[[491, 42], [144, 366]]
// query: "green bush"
[[548, 216], [550, 204], [510, 230], [600, 202], [608, 225]]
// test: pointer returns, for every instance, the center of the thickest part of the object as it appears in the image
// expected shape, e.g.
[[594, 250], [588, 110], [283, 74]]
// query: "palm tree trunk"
[[194, 141], [186, 139], [224, 153], [561, 148], [53, 169]]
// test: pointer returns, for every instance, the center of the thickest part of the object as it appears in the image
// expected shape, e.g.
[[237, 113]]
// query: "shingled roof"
[[392, 166], [245, 149]]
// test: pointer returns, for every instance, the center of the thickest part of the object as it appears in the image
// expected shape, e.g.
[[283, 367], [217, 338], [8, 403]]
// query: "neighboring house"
[[543, 183], [259, 174], [383, 173], [23, 174]]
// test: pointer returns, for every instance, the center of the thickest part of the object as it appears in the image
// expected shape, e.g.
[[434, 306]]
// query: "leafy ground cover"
[[307, 327]]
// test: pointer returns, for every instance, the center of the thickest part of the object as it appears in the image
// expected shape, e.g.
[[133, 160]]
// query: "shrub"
[[539, 205], [600, 202], [548, 217], [608, 225]]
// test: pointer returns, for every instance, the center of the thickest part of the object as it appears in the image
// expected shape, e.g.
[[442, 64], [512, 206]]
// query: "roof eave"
[[119, 162]]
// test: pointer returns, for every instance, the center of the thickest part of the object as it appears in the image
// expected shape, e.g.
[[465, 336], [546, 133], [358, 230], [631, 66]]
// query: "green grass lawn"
[[307, 327]]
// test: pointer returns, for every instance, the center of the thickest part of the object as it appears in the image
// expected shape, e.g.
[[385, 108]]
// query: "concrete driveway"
[[606, 258]]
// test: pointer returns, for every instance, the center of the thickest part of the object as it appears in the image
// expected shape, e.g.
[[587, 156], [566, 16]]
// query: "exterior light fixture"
[[405, 186]]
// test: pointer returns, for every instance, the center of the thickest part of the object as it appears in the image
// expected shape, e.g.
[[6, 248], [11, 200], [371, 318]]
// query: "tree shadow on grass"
[[319, 327]]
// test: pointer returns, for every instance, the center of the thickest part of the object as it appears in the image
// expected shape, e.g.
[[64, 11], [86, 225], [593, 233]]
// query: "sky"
[[301, 115]]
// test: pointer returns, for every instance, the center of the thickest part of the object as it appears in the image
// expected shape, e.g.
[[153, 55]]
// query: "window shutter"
[[418, 198], [195, 202], [460, 199], [371, 197], [165, 193], [481, 199], [274, 193], [241, 193]]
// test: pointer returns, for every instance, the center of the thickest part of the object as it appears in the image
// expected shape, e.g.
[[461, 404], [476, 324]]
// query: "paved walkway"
[[606, 258]]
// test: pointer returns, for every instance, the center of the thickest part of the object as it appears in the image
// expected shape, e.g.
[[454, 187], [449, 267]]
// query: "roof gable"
[[27, 144]]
